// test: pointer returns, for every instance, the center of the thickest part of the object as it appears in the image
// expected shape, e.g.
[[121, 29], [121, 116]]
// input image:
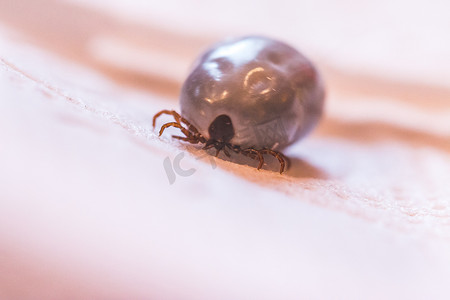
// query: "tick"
[[251, 95]]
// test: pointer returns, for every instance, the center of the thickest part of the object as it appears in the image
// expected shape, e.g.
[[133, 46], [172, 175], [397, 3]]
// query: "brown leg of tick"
[[226, 152], [173, 113], [186, 132], [219, 147], [183, 138], [209, 144], [254, 154], [179, 119], [281, 158], [234, 148], [189, 139]]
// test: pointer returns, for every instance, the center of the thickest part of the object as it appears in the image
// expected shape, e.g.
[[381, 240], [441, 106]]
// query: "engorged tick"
[[252, 96]]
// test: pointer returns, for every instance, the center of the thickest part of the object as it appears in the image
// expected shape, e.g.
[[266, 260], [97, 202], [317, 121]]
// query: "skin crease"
[[261, 84], [86, 209]]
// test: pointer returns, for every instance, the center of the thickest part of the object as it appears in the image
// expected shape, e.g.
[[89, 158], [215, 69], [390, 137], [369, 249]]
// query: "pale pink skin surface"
[[86, 209]]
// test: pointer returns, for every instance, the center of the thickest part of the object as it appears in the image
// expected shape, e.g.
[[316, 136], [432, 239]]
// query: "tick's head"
[[221, 129]]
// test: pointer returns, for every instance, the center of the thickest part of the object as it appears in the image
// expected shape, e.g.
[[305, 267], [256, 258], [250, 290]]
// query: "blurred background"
[[86, 208]]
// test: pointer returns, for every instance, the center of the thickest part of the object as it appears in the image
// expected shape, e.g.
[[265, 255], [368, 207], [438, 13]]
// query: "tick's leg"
[[260, 157], [164, 112], [209, 144], [191, 127], [226, 152], [281, 158], [173, 124], [186, 132], [179, 119], [236, 149], [254, 154], [191, 139], [183, 138], [208, 147], [218, 151]]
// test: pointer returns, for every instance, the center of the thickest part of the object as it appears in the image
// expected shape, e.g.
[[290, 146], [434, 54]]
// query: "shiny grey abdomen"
[[272, 93]]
